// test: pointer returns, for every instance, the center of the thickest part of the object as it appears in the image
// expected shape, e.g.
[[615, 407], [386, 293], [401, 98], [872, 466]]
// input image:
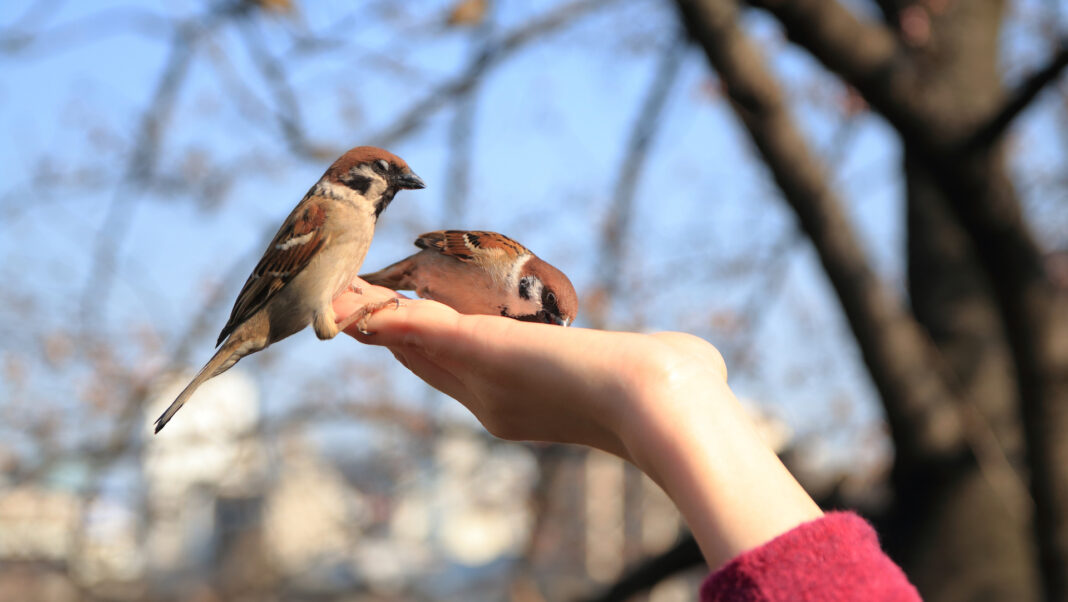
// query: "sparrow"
[[477, 272], [313, 258]]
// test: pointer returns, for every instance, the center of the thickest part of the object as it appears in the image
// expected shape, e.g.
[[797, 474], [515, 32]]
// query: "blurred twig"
[[122, 437], [614, 242], [461, 130], [916, 396], [142, 159], [454, 90], [16, 40], [1020, 99], [36, 11], [639, 578], [287, 111], [550, 458], [495, 52]]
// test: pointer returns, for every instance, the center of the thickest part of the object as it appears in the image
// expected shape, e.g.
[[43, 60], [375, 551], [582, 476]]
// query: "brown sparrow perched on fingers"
[[314, 257], [478, 272]]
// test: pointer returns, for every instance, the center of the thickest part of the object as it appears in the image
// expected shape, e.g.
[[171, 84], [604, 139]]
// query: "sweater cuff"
[[836, 557]]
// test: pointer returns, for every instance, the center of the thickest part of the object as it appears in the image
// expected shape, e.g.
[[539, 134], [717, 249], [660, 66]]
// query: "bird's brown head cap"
[[387, 164]]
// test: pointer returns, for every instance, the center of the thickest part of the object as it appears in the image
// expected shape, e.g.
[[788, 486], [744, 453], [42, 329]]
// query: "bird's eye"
[[382, 164], [551, 298]]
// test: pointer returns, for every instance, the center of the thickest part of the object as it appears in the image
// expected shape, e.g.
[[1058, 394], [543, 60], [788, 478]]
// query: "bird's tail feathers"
[[223, 359], [395, 276]]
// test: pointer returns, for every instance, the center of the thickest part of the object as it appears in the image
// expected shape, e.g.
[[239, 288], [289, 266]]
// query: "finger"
[[434, 332], [349, 302], [410, 324]]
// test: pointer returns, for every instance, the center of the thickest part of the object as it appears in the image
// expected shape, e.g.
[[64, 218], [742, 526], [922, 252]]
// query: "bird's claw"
[[360, 316]]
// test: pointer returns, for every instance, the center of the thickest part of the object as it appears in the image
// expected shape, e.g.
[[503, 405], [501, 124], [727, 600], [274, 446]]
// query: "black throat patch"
[[384, 201]]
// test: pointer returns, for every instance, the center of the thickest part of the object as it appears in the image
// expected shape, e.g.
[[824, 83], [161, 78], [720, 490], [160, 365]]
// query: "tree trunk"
[[938, 83], [940, 86], [973, 539]]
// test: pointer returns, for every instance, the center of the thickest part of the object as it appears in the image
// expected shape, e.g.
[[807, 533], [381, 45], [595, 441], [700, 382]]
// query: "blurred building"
[[218, 506], [52, 545], [257, 514], [204, 476], [38, 524]]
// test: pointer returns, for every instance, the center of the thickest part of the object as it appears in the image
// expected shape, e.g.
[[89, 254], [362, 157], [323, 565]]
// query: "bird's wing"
[[470, 245], [298, 240]]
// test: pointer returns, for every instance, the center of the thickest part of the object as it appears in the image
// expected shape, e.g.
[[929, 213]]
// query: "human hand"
[[535, 382], [658, 400]]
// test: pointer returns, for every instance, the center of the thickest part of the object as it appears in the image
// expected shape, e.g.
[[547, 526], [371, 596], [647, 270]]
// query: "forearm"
[[702, 449]]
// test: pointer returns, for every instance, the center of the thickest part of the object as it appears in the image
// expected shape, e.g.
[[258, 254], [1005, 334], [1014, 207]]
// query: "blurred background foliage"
[[861, 203]]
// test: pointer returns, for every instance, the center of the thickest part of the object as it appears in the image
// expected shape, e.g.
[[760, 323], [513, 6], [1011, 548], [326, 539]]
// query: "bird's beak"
[[409, 180], [550, 318]]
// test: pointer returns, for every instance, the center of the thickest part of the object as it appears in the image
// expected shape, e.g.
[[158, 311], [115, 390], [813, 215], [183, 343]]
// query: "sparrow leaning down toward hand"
[[478, 272], [313, 258]]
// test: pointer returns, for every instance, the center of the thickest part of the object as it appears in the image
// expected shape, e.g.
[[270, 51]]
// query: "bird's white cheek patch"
[[332, 190], [292, 242], [517, 272]]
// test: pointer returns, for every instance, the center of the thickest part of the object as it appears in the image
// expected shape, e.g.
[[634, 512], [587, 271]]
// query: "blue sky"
[[548, 139]]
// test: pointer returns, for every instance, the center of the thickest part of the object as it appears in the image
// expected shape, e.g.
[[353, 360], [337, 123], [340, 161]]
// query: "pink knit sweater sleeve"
[[836, 557]]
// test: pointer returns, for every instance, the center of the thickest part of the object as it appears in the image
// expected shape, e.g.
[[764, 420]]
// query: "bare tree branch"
[[680, 557], [123, 437], [39, 10], [982, 197], [614, 235], [867, 55], [461, 132], [287, 111], [141, 162], [450, 91], [1036, 318], [771, 278], [15, 40], [1019, 100], [492, 55], [143, 157], [461, 135], [247, 102], [551, 458], [890, 10], [918, 403], [801, 178]]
